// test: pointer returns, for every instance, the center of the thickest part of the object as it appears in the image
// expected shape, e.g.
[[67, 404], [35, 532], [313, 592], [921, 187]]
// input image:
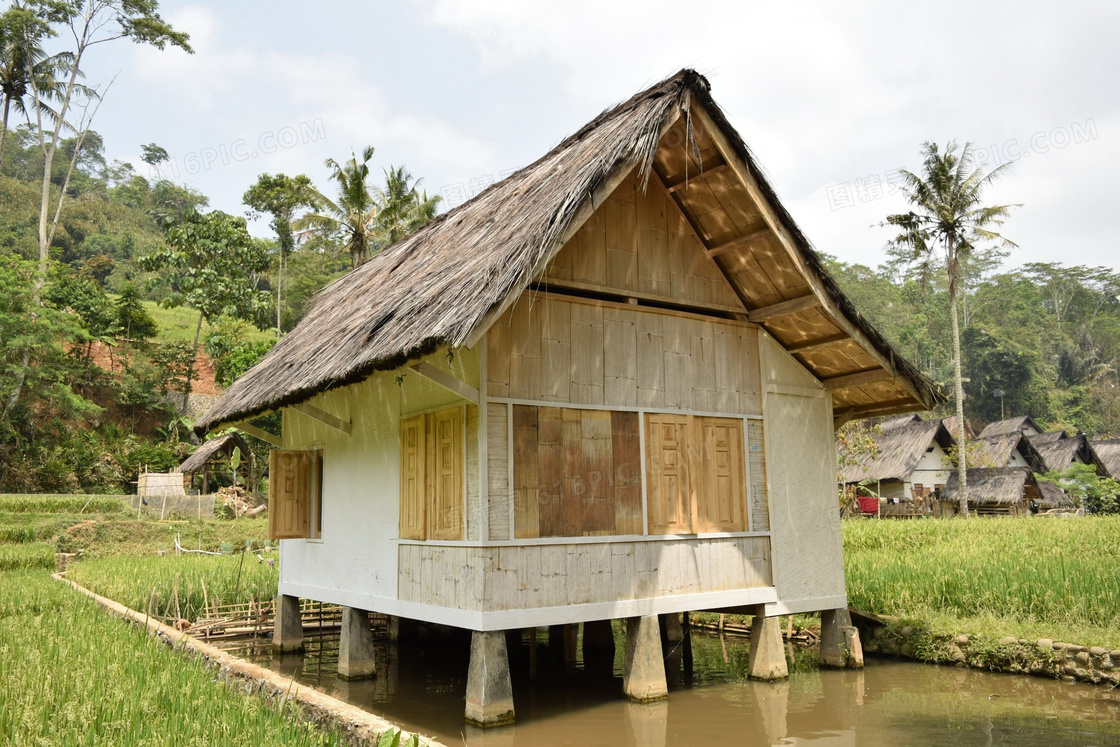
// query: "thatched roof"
[[1003, 485], [444, 284], [1106, 454], [197, 461], [1054, 453], [899, 449], [995, 451], [900, 421], [1009, 427], [1051, 496]]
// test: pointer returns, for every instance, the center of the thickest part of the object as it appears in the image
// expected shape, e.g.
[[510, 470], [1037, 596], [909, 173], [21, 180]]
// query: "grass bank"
[[72, 674], [1025, 578]]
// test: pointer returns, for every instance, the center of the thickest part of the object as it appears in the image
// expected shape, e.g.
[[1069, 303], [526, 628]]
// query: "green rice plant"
[[63, 504], [26, 556], [71, 674], [1025, 576], [179, 585]]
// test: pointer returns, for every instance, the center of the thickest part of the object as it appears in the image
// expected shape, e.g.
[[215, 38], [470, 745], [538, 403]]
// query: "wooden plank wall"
[[592, 353], [474, 505], [497, 469], [575, 472], [640, 242], [531, 576]]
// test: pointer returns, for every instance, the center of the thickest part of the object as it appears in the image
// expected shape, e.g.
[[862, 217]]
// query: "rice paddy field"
[[71, 674], [1023, 577]]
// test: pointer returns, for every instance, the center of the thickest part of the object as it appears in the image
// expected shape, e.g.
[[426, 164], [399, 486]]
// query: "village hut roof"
[[950, 424], [1009, 427], [1051, 495], [1045, 438], [197, 461], [1001, 485], [1054, 453], [1106, 453], [900, 421], [995, 451], [449, 281], [898, 451]]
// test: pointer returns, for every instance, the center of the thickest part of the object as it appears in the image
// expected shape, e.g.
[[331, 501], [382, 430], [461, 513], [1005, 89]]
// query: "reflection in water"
[[574, 701]]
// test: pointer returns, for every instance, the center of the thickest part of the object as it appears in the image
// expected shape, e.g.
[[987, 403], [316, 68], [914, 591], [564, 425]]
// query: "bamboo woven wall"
[[614, 355]]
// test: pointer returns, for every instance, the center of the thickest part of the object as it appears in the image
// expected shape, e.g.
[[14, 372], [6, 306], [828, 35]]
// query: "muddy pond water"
[[421, 683]]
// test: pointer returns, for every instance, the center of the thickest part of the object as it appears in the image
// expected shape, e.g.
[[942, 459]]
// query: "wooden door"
[[289, 494], [667, 467], [721, 494]]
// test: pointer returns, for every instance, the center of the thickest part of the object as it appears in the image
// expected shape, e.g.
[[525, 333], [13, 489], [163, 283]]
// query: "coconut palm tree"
[[368, 218], [945, 225], [25, 66], [353, 215], [401, 209]]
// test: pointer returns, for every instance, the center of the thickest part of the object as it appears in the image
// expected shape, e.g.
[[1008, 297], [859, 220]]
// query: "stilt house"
[[606, 387]]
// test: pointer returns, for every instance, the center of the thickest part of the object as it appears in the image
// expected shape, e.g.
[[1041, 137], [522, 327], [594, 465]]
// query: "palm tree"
[[368, 218], [25, 66], [942, 230], [401, 210], [353, 215]]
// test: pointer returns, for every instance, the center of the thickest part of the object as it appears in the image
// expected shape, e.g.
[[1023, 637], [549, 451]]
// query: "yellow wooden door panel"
[[413, 518], [289, 494], [445, 461], [721, 492], [668, 474]]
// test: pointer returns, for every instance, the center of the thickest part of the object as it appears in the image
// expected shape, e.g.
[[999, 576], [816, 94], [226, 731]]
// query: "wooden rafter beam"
[[856, 379], [890, 407], [260, 433], [655, 177], [684, 181], [447, 381], [739, 242], [840, 417], [324, 417], [741, 169], [784, 308], [822, 342]]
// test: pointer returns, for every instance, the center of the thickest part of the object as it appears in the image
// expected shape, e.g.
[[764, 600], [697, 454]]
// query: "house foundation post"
[[643, 677], [287, 632], [768, 655], [598, 639], [840, 646], [489, 690], [674, 632], [355, 646]]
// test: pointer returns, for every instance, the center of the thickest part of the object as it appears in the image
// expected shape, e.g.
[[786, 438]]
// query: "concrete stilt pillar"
[[643, 677], [287, 632], [598, 639], [355, 646], [768, 655], [393, 628], [489, 690], [674, 632], [840, 645]]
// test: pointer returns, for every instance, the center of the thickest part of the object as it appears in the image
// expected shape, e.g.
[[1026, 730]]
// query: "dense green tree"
[[945, 227], [280, 196], [213, 265], [133, 320], [400, 208]]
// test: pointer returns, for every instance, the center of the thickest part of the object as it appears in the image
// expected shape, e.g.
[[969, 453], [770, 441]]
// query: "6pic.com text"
[[241, 150]]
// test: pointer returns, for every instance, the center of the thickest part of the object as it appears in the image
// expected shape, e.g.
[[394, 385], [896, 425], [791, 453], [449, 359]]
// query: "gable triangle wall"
[[639, 243]]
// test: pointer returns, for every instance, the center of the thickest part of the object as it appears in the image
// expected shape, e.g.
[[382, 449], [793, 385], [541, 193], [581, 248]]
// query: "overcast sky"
[[832, 100]]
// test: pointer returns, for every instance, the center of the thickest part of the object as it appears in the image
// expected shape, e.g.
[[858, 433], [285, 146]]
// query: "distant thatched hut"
[[206, 459], [1105, 454], [908, 467], [606, 387], [1004, 491], [1023, 424]]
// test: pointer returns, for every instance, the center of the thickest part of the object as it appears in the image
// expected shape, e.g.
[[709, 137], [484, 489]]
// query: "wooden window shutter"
[[668, 474], [722, 491], [289, 494], [445, 474], [413, 519]]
